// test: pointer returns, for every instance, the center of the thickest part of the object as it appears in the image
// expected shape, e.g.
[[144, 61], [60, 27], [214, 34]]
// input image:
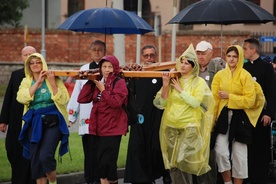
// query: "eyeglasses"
[[97, 50], [35, 62], [149, 55], [26, 55]]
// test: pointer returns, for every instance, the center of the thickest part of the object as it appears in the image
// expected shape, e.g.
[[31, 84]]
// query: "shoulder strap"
[[212, 67], [114, 82], [216, 67]]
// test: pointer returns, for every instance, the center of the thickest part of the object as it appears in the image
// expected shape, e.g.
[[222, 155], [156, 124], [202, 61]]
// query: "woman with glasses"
[[44, 118]]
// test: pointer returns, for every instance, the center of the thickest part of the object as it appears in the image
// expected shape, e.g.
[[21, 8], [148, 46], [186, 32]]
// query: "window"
[[274, 8], [75, 6], [184, 4], [147, 14]]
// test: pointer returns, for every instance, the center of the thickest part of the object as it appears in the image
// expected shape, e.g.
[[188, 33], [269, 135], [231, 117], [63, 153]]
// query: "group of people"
[[211, 122]]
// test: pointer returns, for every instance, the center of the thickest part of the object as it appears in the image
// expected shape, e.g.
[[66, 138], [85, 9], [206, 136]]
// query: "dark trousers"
[[107, 157], [20, 166], [43, 153], [259, 155], [90, 145]]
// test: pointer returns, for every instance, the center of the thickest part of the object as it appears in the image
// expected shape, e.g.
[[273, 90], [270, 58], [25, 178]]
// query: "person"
[[108, 119], [273, 62], [207, 71], [237, 107], [208, 66], [263, 73], [81, 112], [267, 59], [186, 122], [11, 116], [44, 118], [144, 162]]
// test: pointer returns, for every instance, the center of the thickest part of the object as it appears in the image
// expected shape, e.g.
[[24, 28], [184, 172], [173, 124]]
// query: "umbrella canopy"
[[106, 21], [222, 12]]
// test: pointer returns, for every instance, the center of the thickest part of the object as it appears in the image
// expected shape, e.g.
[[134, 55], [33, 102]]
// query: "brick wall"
[[71, 47], [69, 50], [7, 67]]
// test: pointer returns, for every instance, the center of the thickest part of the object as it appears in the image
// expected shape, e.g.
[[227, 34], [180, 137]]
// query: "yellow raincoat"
[[60, 99], [244, 92], [186, 121]]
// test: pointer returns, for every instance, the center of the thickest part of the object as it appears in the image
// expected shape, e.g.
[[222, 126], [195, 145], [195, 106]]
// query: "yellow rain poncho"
[[23, 96], [244, 92], [186, 121]]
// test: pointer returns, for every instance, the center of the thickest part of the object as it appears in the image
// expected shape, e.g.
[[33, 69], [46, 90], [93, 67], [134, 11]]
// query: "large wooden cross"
[[149, 71]]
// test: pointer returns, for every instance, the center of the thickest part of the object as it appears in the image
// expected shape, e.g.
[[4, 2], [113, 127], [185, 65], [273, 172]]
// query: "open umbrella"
[[223, 12], [106, 21]]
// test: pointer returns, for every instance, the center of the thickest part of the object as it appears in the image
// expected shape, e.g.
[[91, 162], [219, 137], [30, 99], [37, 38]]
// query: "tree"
[[11, 11]]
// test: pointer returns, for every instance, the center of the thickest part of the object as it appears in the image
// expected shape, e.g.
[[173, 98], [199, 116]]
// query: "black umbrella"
[[223, 12]]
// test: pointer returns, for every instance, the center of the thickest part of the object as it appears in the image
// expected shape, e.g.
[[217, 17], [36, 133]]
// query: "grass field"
[[2, 93]]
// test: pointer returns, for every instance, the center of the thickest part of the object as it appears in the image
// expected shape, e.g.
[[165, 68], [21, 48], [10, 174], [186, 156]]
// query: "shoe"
[[167, 180]]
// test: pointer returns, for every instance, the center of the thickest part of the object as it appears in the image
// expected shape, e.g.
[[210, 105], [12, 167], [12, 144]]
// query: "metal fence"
[[268, 41]]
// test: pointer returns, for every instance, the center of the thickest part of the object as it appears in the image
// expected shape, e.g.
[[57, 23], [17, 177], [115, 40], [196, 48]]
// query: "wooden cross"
[[149, 71]]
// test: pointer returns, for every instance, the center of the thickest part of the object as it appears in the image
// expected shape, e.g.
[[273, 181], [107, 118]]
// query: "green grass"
[[5, 173], [67, 165], [2, 89]]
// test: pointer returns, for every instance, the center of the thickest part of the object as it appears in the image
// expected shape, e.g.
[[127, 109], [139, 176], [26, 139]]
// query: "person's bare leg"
[[226, 175], [52, 176], [42, 180], [104, 181], [238, 181]]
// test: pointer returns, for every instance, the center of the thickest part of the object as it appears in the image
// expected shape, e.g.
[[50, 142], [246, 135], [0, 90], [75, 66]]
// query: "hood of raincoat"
[[114, 61], [190, 55], [239, 65], [27, 68]]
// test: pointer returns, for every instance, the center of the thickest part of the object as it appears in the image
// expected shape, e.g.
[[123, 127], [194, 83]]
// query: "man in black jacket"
[[11, 115], [259, 150], [144, 157]]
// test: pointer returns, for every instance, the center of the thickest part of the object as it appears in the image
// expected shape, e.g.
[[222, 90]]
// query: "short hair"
[[254, 44], [149, 47], [98, 42]]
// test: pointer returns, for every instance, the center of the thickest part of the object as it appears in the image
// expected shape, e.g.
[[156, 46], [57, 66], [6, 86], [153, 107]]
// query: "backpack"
[[134, 113]]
